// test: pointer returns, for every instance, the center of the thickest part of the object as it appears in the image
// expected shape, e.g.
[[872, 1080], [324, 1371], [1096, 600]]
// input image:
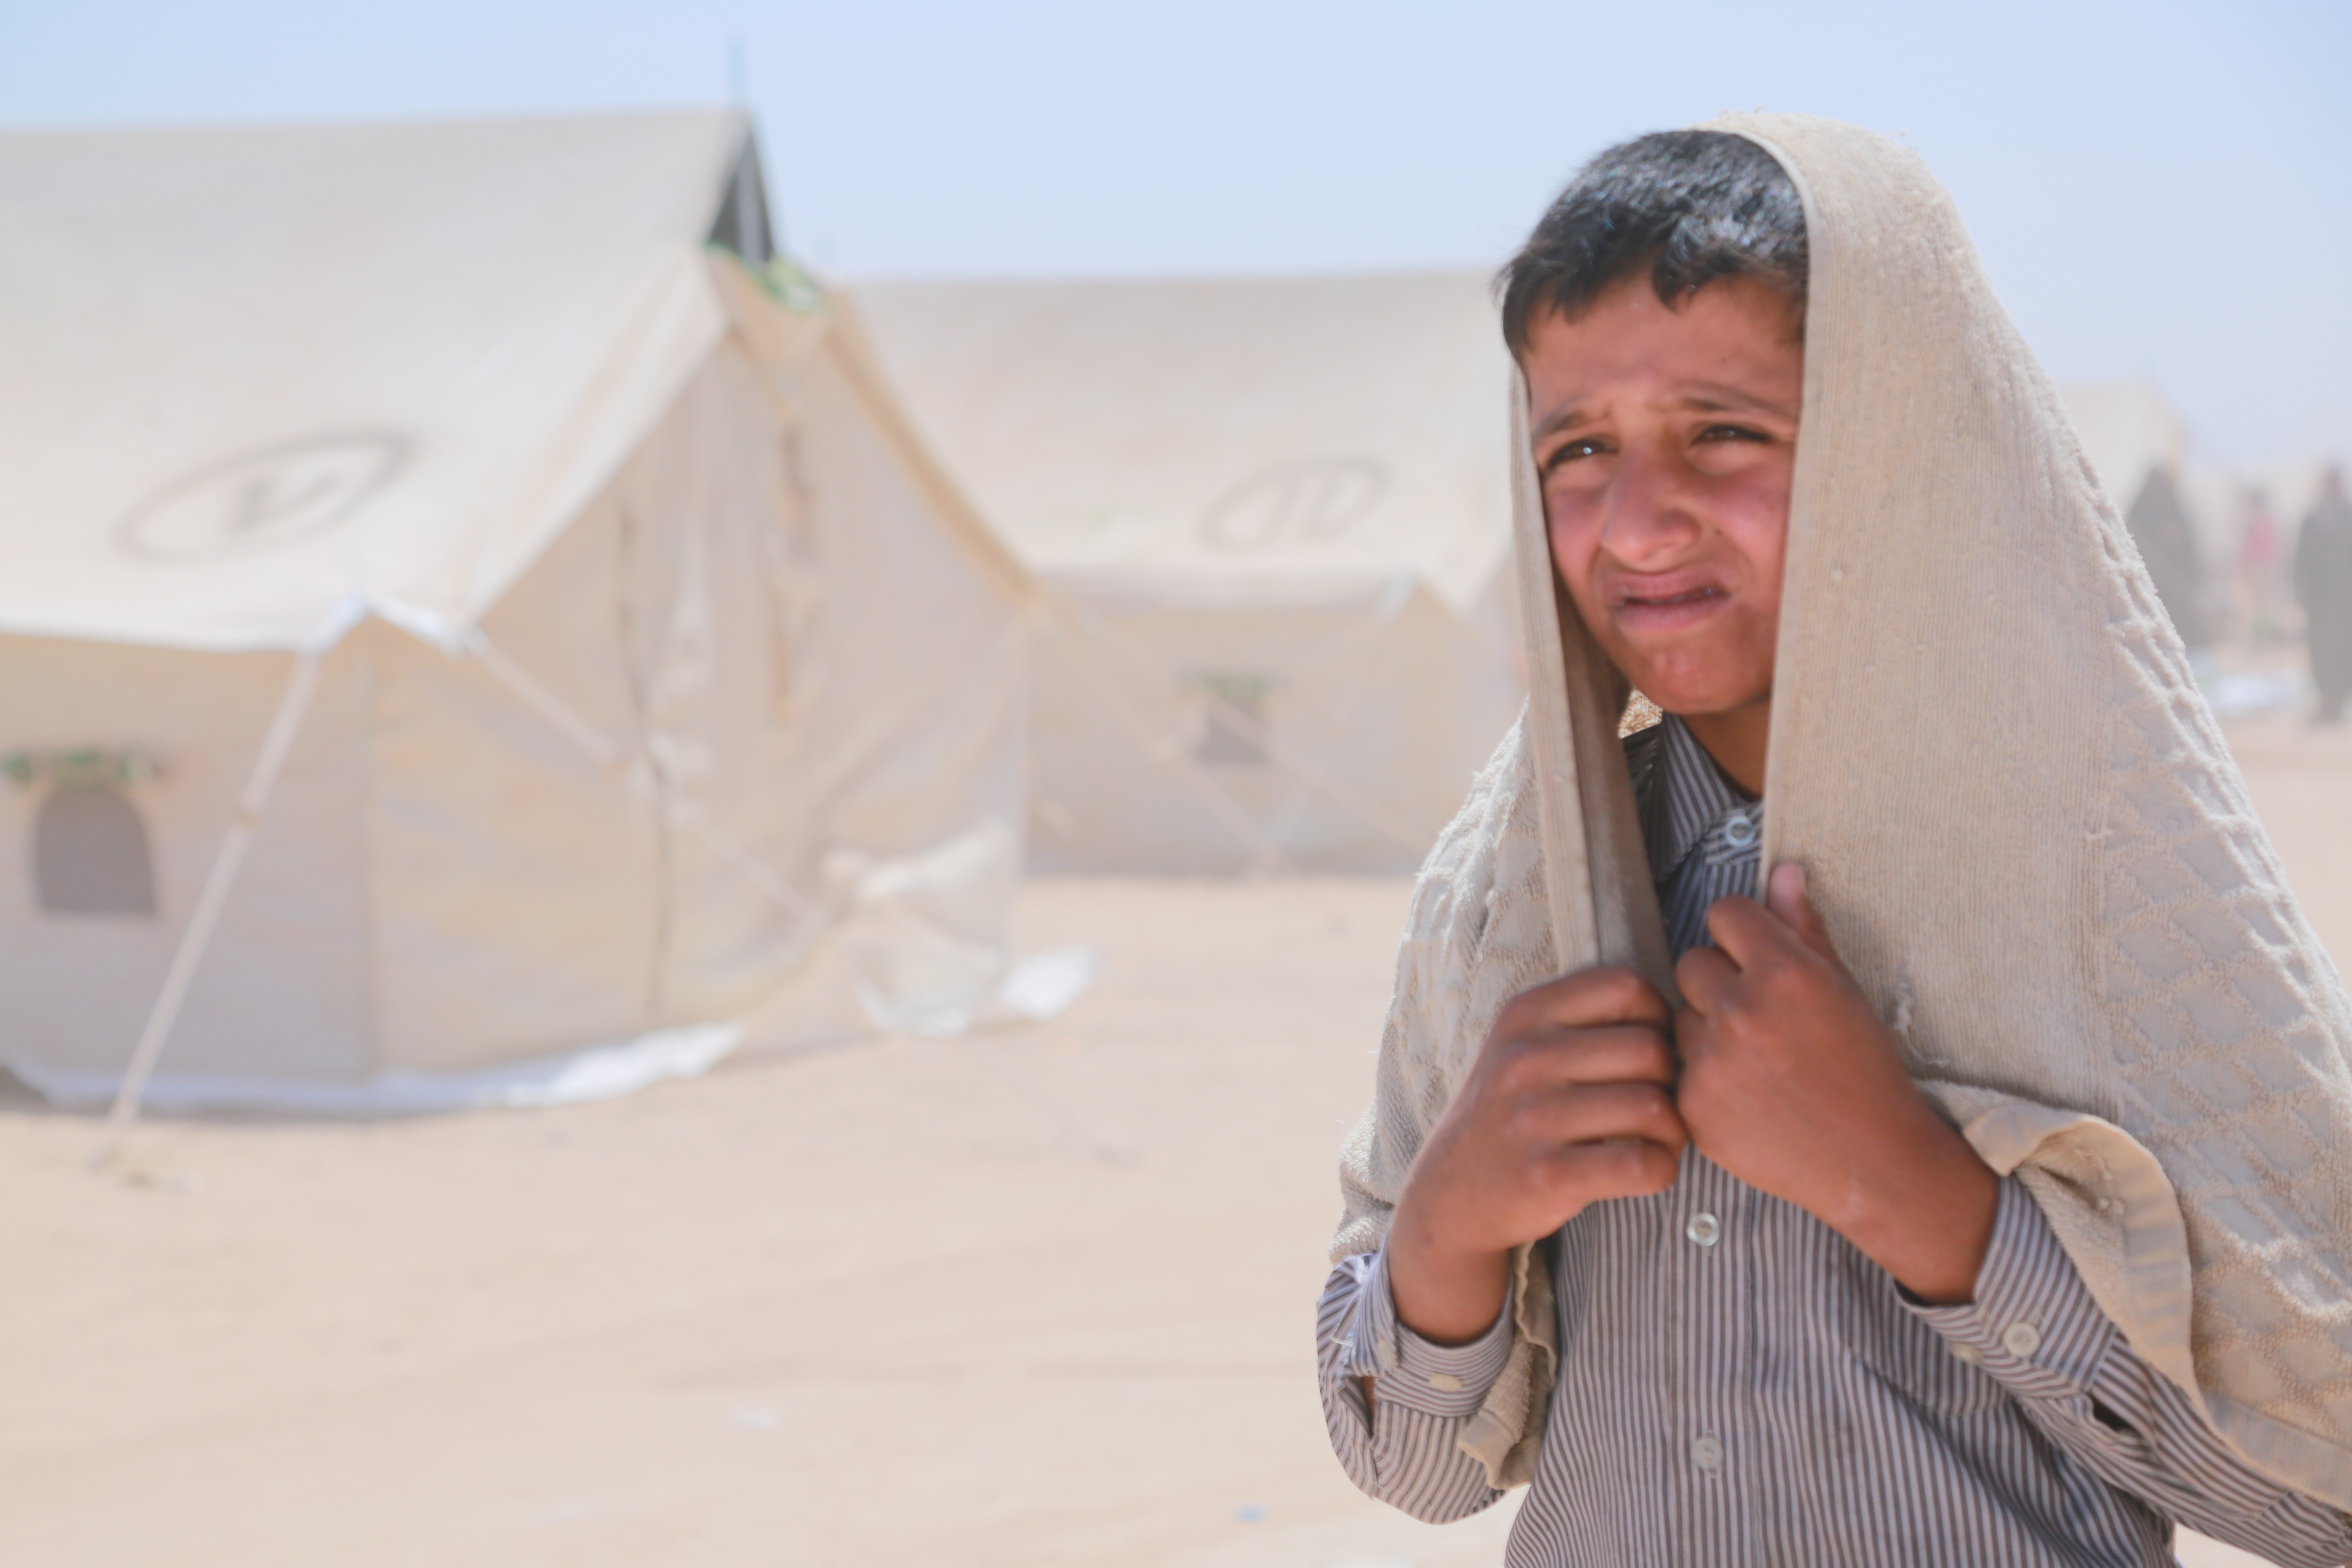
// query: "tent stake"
[[280, 740]]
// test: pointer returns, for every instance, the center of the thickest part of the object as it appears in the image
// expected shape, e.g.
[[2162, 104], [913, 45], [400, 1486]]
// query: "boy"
[[1800, 1316]]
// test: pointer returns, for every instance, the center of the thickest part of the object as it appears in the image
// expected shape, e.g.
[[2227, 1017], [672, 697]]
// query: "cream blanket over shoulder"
[[2017, 815]]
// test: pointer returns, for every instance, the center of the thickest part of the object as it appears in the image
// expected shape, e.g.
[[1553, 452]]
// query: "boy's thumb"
[[1785, 895]]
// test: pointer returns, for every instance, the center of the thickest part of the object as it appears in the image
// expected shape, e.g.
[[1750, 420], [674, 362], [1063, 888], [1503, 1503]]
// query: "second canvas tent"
[[1274, 510]]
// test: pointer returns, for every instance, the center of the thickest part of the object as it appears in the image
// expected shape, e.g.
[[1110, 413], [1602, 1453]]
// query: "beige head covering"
[[2017, 815]]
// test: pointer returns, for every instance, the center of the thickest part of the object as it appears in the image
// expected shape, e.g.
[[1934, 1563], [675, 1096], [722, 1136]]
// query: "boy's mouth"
[[1660, 612]]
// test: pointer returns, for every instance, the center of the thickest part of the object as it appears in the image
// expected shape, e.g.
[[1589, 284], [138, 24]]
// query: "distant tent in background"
[[631, 667], [1276, 513]]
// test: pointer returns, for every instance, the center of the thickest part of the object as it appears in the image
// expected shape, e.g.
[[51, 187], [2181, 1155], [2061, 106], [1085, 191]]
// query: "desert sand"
[[1038, 1297]]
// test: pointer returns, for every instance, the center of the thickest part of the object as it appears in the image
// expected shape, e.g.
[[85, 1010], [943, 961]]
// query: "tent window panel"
[[91, 854], [1233, 720]]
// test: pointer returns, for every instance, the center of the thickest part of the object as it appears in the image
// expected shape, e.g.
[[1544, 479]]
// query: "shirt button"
[[1708, 1454], [1444, 1383], [2020, 1339], [1704, 1228], [1739, 832], [1968, 1354]]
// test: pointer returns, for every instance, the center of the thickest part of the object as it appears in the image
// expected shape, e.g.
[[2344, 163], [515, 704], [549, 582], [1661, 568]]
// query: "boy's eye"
[[1732, 433], [1573, 451]]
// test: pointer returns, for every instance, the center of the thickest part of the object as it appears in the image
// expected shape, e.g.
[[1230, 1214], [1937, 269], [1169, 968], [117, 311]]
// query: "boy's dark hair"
[[1692, 205]]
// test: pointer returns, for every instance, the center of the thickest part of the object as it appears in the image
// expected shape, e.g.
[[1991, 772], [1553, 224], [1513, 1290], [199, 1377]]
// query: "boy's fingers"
[[1749, 934], [1589, 997], [1740, 926], [1623, 1169], [1606, 1112], [1555, 1058], [1704, 976], [1622, 1053]]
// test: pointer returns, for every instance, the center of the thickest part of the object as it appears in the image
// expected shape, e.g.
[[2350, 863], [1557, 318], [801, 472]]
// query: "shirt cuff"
[[2032, 1322], [1415, 1372]]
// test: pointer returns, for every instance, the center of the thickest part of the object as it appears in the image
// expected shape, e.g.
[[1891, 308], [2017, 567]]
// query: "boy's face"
[[1665, 440]]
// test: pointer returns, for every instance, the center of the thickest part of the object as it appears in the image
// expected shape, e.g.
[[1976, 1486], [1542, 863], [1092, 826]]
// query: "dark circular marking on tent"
[[91, 854], [1305, 502], [268, 498]]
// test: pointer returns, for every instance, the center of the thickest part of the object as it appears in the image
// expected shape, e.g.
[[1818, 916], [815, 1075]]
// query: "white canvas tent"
[[626, 659], [1274, 510]]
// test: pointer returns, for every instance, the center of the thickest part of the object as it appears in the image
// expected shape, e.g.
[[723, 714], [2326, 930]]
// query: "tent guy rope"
[[1091, 630], [1263, 851], [614, 755]]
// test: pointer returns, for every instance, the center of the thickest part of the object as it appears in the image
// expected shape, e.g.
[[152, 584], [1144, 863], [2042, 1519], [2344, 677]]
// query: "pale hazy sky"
[[2161, 188]]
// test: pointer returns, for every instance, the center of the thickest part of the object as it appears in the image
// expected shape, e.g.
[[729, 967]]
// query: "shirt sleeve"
[[1402, 1449], [2034, 1326]]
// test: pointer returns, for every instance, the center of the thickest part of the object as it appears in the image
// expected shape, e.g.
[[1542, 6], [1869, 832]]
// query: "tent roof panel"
[[1218, 431], [260, 378]]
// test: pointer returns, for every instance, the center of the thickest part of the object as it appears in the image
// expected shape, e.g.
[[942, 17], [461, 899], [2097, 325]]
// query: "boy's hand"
[[1570, 1100], [1791, 1083]]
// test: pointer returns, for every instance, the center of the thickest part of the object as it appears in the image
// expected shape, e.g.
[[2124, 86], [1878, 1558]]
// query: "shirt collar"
[[1690, 801]]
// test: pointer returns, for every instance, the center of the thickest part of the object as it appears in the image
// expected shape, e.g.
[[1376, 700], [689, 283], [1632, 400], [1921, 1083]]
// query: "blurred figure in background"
[[2323, 581], [2167, 543], [2261, 577]]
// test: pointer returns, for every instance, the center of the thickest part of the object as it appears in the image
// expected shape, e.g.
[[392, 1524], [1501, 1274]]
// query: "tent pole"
[[299, 689]]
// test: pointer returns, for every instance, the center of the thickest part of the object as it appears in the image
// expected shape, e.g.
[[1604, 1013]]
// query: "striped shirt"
[[1739, 1385]]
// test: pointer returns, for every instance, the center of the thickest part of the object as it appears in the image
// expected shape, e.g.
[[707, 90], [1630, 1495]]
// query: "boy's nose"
[[1649, 518]]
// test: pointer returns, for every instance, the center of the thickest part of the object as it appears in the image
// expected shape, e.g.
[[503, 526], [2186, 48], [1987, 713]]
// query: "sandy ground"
[[1035, 1298]]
